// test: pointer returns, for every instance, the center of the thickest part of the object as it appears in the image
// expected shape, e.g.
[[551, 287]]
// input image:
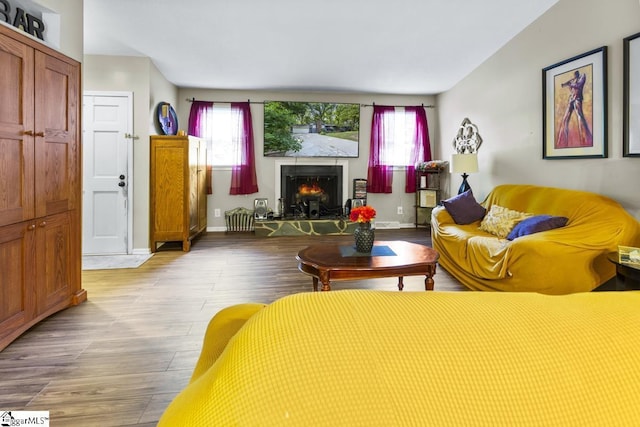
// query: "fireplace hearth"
[[311, 191]]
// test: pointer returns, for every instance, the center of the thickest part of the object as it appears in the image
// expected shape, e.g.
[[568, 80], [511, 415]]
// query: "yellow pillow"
[[500, 221]]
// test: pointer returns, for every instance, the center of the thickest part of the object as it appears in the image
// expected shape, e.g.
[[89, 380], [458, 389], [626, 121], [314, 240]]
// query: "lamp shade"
[[464, 163]]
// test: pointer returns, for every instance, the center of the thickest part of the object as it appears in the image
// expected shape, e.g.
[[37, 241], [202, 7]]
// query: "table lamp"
[[464, 163]]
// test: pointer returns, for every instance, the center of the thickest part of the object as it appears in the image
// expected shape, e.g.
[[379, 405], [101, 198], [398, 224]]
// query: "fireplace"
[[311, 191]]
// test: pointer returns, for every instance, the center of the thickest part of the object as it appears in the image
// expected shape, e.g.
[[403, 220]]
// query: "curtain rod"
[[226, 102], [262, 102], [374, 104]]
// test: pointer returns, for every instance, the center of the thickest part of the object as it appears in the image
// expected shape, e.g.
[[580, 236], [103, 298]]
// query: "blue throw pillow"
[[464, 209], [535, 224]]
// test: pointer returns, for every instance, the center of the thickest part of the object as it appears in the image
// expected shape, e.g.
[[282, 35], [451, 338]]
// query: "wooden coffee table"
[[329, 263]]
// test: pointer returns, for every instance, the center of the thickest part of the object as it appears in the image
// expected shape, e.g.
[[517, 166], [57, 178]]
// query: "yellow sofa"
[[569, 259], [380, 358]]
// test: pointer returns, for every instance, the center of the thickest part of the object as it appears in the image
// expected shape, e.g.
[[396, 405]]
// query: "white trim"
[[141, 251]]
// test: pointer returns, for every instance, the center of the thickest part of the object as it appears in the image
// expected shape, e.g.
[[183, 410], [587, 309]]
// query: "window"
[[399, 135], [228, 130], [221, 145]]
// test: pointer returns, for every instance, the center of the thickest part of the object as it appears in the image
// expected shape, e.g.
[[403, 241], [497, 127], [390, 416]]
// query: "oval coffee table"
[[328, 262]]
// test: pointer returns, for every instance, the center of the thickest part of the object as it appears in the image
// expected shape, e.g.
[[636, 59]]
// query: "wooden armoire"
[[40, 183], [178, 189]]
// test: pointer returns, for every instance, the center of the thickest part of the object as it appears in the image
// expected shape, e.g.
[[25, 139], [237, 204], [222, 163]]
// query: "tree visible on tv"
[[278, 121], [329, 118], [347, 116], [320, 114]]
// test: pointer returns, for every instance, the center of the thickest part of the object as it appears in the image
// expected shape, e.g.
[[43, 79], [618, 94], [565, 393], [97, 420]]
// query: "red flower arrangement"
[[362, 214]]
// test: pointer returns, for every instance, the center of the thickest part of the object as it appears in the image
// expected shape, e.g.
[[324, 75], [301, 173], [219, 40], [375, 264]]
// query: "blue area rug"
[[378, 250]]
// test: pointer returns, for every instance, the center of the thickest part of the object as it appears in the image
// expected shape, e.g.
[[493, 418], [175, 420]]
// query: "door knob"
[[121, 184], [121, 176]]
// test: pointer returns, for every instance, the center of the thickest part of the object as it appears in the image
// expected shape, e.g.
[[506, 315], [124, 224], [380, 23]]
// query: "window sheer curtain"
[[199, 125], [243, 169], [243, 172], [421, 146], [380, 172], [381, 157]]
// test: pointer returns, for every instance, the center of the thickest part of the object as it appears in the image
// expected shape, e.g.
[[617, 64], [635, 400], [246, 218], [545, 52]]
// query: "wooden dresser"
[[40, 184], [178, 189]]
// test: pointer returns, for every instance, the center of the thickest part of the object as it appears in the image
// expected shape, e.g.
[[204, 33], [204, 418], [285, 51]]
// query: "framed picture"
[[356, 203], [574, 107], [631, 97], [629, 255]]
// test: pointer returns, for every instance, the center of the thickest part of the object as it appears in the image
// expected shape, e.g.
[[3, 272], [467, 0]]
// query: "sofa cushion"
[[500, 220], [464, 209], [536, 224]]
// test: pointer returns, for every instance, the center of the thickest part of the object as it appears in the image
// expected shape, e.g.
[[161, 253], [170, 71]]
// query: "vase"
[[364, 236]]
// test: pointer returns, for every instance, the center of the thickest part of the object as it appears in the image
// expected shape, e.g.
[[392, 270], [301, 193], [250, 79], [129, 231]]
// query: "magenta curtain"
[[198, 117], [198, 122], [243, 172], [421, 146], [379, 173]]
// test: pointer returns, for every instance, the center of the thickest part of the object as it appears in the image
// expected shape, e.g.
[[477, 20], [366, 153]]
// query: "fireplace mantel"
[[312, 162]]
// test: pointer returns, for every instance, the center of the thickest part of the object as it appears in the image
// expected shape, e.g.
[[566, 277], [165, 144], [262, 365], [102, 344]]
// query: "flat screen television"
[[311, 129]]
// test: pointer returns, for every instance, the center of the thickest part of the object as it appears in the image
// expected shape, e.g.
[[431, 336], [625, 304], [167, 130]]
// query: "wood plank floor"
[[121, 357]]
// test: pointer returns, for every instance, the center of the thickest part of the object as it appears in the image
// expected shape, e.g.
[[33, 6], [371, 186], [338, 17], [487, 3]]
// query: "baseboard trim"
[[141, 251]]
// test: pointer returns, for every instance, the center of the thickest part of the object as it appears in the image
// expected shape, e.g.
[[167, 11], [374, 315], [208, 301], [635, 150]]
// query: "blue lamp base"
[[465, 185]]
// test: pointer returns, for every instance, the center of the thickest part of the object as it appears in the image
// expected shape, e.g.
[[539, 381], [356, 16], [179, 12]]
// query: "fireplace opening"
[[311, 191]]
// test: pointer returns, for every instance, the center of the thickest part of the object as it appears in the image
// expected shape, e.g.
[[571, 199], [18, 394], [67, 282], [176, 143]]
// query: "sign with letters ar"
[[17, 15]]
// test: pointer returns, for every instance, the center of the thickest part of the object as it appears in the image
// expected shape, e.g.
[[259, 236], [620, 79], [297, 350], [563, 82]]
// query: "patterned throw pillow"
[[500, 221]]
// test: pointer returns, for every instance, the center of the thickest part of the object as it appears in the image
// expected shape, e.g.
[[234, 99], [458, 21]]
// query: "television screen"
[[311, 129]]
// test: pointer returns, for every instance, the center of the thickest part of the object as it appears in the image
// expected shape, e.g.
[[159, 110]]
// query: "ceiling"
[[417, 47]]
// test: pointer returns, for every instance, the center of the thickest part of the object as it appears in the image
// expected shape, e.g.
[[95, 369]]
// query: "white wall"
[[161, 90], [503, 97], [71, 23], [385, 204], [129, 74], [149, 87]]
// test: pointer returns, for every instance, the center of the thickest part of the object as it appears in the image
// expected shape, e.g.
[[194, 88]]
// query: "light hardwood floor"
[[121, 357]]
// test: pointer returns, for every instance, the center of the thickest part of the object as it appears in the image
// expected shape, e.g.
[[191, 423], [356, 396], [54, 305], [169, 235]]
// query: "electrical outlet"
[[216, 213], [400, 210]]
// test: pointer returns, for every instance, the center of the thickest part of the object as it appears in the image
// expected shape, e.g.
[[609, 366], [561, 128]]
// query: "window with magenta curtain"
[[228, 131], [399, 137], [199, 120], [243, 171]]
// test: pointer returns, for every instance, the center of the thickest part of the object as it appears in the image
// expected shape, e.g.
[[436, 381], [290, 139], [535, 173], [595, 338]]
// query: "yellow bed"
[[375, 358]]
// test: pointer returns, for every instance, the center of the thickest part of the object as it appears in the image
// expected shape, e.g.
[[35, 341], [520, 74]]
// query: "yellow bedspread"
[[375, 358]]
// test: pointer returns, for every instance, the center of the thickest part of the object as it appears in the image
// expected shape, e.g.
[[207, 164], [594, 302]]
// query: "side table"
[[627, 275]]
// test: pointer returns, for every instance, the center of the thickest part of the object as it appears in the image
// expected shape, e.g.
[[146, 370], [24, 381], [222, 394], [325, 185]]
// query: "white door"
[[107, 172]]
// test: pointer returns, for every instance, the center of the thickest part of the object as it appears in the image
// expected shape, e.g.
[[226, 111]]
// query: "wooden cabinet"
[[429, 188], [40, 183], [178, 189]]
